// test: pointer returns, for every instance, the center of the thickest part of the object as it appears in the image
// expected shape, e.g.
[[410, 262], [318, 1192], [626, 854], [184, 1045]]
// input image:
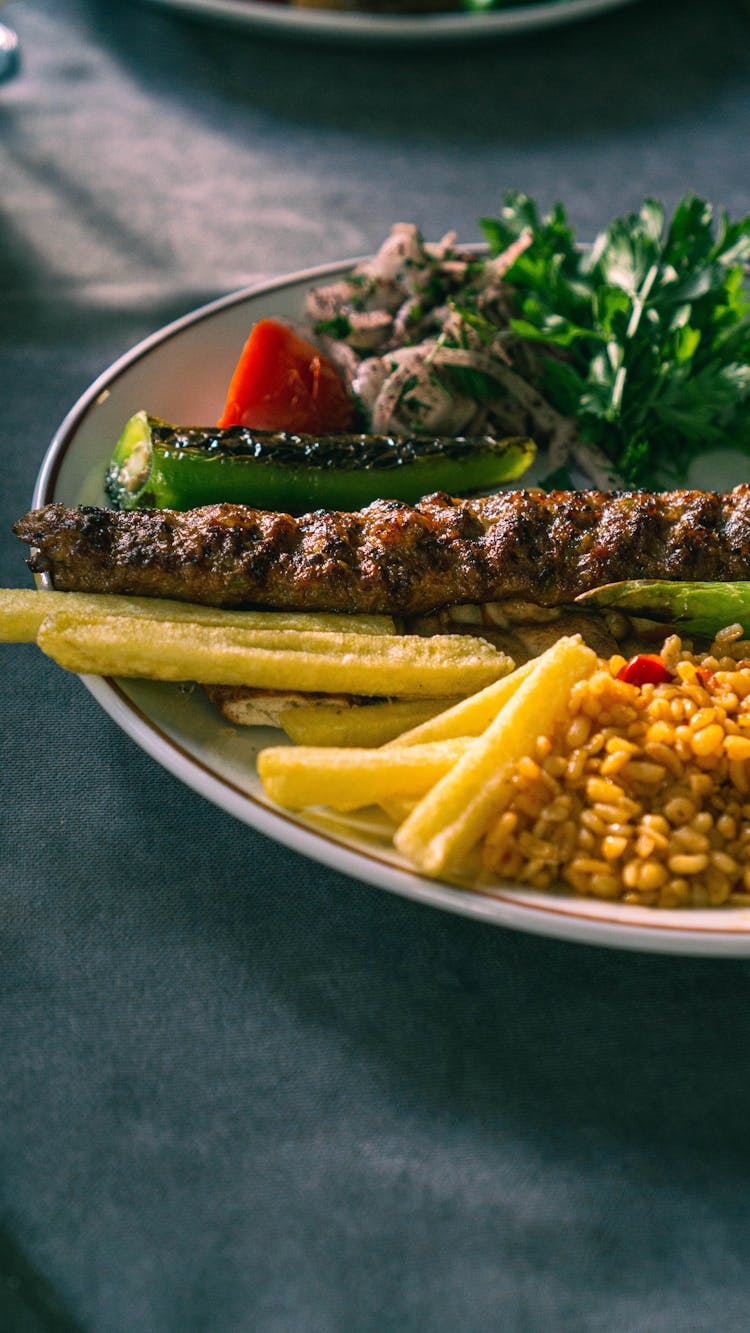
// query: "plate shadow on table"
[[633, 1060], [542, 87]]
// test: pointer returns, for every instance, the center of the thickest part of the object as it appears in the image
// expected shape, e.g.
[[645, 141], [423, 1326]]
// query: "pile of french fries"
[[435, 749], [443, 781]]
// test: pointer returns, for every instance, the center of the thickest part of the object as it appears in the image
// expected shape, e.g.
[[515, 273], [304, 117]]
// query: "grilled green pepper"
[[158, 466], [692, 608]]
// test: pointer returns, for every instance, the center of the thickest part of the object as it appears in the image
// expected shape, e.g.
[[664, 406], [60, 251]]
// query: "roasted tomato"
[[281, 382]]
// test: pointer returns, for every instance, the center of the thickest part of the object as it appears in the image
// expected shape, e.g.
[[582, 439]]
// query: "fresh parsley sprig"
[[650, 326]]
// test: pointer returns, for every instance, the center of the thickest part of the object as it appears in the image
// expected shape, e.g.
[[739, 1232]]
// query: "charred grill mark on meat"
[[396, 558]]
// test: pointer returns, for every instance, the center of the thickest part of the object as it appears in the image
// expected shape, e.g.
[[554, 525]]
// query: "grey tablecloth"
[[240, 1092]]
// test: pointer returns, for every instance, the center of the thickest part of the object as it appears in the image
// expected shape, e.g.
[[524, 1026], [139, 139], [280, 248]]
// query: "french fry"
[[393, 666], [22, 611], [446, 825], [362, 725], [299, 776], [470, 717], [398, 808]]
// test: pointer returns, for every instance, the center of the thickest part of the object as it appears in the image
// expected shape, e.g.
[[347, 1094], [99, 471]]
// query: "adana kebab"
[[395, 558]]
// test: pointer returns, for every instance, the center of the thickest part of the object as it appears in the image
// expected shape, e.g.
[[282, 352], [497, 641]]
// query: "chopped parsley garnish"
[[338, 327], [648, 330]]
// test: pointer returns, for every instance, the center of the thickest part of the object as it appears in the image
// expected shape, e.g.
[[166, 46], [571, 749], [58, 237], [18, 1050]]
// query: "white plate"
[[329, 25], [181, 373]]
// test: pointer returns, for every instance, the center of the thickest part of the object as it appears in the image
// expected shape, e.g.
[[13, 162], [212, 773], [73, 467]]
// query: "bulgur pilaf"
[[643, 794]]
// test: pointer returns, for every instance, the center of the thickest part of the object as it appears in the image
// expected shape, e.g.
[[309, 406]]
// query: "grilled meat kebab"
[[394, 558]]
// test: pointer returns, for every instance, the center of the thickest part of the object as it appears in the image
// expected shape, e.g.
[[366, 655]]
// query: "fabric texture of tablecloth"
[[241, 1093]]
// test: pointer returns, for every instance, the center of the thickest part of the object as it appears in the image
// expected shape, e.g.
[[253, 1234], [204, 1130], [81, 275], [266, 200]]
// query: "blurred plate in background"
[[8, 52], [349, 25]]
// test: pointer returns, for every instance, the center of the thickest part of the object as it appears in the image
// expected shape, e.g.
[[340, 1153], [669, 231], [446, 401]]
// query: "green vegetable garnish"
[[692, 608], [159, 466], [650, 328]]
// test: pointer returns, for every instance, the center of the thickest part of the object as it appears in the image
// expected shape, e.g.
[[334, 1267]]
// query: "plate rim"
[[549, 917], [342, 25]]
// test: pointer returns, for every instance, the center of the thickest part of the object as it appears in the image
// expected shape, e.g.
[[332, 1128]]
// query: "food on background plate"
[[409, 8], [389, 7], [159, 466]]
